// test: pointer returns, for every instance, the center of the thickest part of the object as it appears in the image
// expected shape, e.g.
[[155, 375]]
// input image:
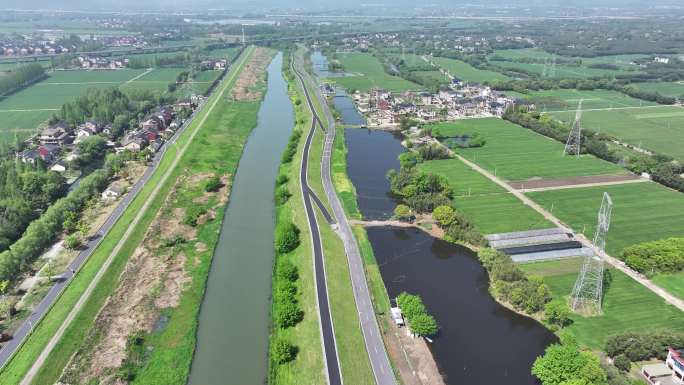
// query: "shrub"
[[282, 195], [282, 351], [643, 346], [286, 237], [192, 214], [622, 362], [424, 325], [444, 215], [402, 212], [665, 255], [286, 270], [557, 313], [73, 242], [288, 314], [213, 184], [282, 179]]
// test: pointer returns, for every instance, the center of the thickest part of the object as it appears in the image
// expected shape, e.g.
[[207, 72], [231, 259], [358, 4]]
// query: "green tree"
[[288, 314], [423, 324], [565, 362], [91, 149], [444, 215], [213, 184], [622, 362]]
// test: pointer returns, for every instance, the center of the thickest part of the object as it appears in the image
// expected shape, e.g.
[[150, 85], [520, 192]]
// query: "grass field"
[[627, 305], [515, 153], [623, 62], [656, 128], [180, 332], [485, 203], [641, 212], [673, 89], [466, 72], [373, 74], [568, 99]]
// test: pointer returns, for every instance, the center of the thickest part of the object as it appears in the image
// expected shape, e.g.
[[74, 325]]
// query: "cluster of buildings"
[[213, 64], [670, 372], [48, 42], [384, 108], [57, 144], [98, 62], [38, 47]]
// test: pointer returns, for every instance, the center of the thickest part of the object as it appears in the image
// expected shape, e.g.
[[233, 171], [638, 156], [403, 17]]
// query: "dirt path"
[[28, 378], [576, 182], [669, 298]]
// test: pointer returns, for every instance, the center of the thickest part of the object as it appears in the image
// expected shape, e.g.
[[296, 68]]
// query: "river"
[[232, 338], [480, 341]]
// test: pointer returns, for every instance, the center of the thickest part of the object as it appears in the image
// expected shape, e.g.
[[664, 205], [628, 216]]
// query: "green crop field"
[[627, 305], [641, 212], [673, 283], [486, 204], [673, 89], [656, 128], [466, 72], [373, 74], [623, 62], [516, 153], [562, 71], [568, 99]]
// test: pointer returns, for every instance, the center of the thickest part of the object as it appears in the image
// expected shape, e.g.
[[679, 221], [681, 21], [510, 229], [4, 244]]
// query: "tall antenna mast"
[[574, 143], [587, 294], [552, 74]]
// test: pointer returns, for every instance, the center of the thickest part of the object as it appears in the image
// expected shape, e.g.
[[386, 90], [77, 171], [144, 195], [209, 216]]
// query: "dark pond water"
[[371, 154], [480, 342], [232, 339]]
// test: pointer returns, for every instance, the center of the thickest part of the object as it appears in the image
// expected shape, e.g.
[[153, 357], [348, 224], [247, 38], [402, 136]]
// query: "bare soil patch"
[[244, 89], [577, 180]]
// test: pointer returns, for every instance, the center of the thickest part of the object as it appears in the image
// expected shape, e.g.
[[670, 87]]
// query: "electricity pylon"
[[588, 290], [573, 145]]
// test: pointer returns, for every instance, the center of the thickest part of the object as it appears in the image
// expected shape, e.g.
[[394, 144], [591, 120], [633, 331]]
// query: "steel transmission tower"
[[573, 145], [588, 290]]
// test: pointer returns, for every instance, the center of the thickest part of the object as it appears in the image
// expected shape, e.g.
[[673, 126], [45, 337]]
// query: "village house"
[[112, 192], [57, 134]]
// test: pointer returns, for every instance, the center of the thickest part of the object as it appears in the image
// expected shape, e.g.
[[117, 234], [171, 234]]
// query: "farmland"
[[486, 204], [627, 305], [568, 99], [562, 71], [673, 89], [656, 128], [641, 212], [514, 58], [22, 112], [515, 153], [373, 74], [466, 72]]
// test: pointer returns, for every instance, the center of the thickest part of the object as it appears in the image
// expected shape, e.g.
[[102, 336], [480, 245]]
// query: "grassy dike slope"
[[14, 371], [307, 368], [351, 347]]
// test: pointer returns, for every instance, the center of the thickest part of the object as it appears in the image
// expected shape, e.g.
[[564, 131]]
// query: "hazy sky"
[[307, 4]]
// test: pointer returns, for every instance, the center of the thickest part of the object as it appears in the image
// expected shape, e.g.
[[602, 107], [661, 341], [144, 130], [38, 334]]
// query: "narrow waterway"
[[232, 339], [480, 342]]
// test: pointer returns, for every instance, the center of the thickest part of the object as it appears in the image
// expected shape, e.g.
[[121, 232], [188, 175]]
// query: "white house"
[[112, 192]]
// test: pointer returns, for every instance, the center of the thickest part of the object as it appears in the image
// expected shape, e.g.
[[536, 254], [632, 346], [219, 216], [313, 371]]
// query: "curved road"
[[375, 346], [24, 330]]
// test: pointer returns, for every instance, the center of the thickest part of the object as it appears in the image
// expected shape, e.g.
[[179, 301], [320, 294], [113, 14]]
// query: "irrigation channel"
[[480, 341], [232, 338]]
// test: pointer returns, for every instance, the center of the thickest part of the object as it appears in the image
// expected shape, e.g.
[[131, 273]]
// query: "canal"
[[232, 338], [480, 341]]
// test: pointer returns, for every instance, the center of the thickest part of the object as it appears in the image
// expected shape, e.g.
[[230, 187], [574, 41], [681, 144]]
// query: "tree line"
[[21, 77], [45, 230]]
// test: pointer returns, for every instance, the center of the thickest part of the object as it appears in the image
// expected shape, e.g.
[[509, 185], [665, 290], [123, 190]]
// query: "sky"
[[290, 4]]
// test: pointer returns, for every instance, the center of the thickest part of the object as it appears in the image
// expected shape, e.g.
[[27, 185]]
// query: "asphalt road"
[[330, 356], [375, 346]]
